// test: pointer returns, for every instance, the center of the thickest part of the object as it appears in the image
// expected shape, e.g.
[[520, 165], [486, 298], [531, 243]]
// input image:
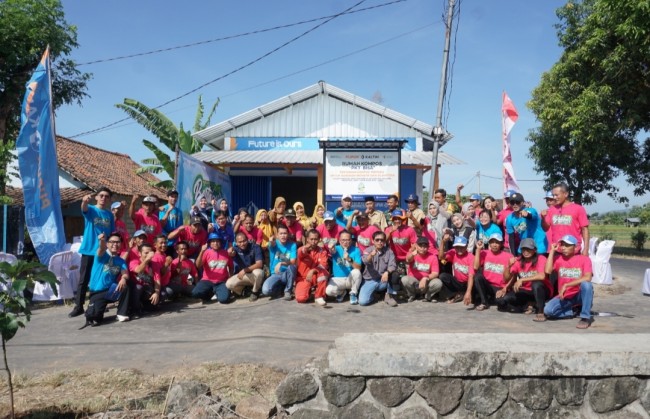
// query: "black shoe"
[[254, 296], [77, 311]]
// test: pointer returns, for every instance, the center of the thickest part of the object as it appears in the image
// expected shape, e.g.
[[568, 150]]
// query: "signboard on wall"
[[196, 179], [360, 173]]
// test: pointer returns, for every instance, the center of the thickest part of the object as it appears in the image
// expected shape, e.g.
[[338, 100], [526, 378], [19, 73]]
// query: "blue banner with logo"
[[197, 179], [38, 165]]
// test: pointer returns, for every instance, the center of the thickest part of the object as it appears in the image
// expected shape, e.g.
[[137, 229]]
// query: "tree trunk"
[[11, 386]]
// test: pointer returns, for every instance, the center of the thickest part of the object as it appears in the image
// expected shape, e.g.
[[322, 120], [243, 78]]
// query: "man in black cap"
[[414, 214], [171, 217], [375, 217]]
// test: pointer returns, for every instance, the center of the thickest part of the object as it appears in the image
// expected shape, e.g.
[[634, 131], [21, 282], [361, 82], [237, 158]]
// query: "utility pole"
[[438, 131]]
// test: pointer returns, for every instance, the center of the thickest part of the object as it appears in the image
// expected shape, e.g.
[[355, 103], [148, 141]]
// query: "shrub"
[[638, 239]]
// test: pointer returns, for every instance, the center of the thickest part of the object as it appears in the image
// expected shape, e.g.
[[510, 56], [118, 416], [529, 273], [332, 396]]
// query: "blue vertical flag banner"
[[38, 165], [196, 179]]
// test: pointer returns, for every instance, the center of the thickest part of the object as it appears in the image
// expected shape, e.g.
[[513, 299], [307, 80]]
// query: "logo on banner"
[[205, 188]]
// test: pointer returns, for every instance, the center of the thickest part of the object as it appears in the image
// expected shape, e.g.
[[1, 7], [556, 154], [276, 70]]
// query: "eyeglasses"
[[114, 242], [103, 195], [380, 240]]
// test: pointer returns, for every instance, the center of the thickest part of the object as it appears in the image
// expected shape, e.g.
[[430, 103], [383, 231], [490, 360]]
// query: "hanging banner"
[[509, 116], [196, 179]]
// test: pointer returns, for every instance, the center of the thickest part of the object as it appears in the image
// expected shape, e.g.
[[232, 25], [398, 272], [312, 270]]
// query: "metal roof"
[[320, 111]]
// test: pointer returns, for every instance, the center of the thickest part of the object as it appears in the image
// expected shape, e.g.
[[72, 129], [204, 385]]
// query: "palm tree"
[[168, 134]]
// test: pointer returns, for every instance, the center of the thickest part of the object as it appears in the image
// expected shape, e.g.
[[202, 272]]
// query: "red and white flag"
[[509, 116]]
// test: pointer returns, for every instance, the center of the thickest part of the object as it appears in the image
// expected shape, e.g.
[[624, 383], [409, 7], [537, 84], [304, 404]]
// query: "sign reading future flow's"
[[360, 173]]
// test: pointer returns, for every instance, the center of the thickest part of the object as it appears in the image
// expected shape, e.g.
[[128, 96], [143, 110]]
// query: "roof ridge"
[[60, 137]]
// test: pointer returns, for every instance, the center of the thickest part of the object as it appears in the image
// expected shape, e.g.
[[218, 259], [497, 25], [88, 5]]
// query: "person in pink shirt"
[[248, 227], [146, 218], [217, 268], [117, 208], [492, 280], [141, 279], [575, 291], [422, 275], [503, 215], [183, 271], [363, 230], [550, 201], [296, 233], [567, 218], [401, 238], [460, 282], [160, 264], [194, 235], [329, 231]]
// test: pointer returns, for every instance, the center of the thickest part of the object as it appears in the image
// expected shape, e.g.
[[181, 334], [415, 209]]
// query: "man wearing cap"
[[194, 235], [146, 218], [401, 238], [345, 211], [492, 280], [171, 217], [283, 255], [471, 209], [524, 223], [296, 233], [217, 266], [375, 217], [414, 215], [380, 273], [248, 262], [139, 237], [392, 203], [574, 273], [550, 201], [346, 267], [460, 282], [422, 274], [567, 218], [117, 208], [363, 231], [329, 231], [313, 270], [98, 219]]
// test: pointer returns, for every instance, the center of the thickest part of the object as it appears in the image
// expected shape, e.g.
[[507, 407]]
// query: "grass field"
[[621, 234]]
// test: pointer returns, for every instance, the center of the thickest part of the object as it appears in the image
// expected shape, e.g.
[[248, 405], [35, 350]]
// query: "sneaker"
[[214, 298], [253, 297], [411, 298], [121, 318], [341, 297], [321, 302], [353, 299], [77, 311], [388, 299], [287, 295]]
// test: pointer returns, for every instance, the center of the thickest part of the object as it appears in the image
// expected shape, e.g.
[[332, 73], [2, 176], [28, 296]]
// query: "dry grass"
[[78, 393]]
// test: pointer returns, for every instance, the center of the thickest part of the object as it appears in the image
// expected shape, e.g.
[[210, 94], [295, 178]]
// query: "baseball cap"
[[328, 215], [172, 192], [150, 199], [422, 241], [460, 241], [290, 212], [214, 236], [195, 220], [475, 197], [549, 195], [495, 236], [569, 239], [528, 244], [396, 214], [517, 197], [346, 196], [509, 193], [139, 233], [412, 198], [116, 205]]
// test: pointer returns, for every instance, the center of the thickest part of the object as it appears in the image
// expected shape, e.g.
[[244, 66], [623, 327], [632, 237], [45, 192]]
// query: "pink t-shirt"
[[133, 276], [254, 235], [150, 224], [501, 222], [216, 265], [463, 265], [329, 236], [120, 228], [296, 232], [529, 270], [567, 219], [364, 237], [570, 269], [194, 241], [494, 266], [158, 264], [401, 241], [187, 268], [423, 265]]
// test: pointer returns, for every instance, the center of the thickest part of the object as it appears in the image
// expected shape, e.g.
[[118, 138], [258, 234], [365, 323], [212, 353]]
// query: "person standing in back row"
[[567, 218]]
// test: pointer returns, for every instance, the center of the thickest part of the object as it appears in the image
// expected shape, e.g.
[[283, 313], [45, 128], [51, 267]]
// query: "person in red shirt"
[[146, 218], [401, 238], [329, 231], [422, 275], [567, 218], [141, 279], [217, 267], [363, 231], [528, 281], [461, 281], [194, 235], [117, 208], [574, 274], [161, 272], [493, 279], [183, 271], [313, 271], [296, 233], [248, 227], [138, 239]]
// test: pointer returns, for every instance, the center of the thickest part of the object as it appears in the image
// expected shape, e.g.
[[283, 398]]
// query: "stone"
[[485, 396], [416, 412], [182, 395], [631, 411], [511, 409], [569, 390], [255, 407], [607, 394], [295, 388], [565, 412], [391, 391], [312, 414], [361, 410], [443, 394], [206, 407], [340, 390], [534, 393], [644, 397]]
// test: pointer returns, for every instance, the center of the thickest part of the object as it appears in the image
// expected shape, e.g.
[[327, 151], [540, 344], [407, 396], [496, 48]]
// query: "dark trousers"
[[486, 291], [452, 284], [98, 302], [539, 295], [206, 289], [85, 269]]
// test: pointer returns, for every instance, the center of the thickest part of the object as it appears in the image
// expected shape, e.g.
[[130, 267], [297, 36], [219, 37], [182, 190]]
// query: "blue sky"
[[499, 45]]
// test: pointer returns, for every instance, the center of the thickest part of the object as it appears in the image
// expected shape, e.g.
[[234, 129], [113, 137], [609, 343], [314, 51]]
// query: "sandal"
[[455, 299], [583, 324], [481, 307], [529, 310], [540, 317]]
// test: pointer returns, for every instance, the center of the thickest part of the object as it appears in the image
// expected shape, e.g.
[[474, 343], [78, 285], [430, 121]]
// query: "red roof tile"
[[68, 195]]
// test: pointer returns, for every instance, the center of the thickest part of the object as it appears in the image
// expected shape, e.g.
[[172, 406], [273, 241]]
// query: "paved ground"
[[285, 334]]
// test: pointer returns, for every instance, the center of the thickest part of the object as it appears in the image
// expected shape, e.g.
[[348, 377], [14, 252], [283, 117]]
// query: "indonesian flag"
[[509, 116]]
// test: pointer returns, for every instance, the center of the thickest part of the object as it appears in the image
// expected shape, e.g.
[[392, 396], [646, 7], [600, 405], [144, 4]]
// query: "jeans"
[[369, 287], [206, 289], [276, 282], [562, 309]]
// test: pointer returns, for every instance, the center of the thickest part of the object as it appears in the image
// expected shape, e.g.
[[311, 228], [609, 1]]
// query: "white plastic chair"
[[602, 270], [63, 265], [646, 283], [8, 257], [592, 245]]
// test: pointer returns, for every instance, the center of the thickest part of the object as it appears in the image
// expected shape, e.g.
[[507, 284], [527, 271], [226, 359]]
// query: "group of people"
[[481, 253]]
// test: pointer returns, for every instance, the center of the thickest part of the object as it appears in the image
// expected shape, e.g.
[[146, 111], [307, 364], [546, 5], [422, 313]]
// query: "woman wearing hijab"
[[301, 217], [435, 223], [277, 212], [317, 217]]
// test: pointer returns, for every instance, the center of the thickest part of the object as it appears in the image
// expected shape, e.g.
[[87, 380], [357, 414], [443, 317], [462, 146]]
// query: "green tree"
[[26, 28], [14, 280], [168, 134], [593, 103]]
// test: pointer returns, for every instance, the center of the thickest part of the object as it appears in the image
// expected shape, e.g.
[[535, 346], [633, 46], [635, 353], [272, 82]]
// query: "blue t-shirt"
[[526, 228], [342, 219], [226, 234], [483, 233], [96, 222], [342, 268], [106, 270], [174, 221], [281, 253]]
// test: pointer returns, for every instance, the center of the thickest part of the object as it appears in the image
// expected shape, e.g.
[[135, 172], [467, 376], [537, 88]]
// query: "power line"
[[250, 63]]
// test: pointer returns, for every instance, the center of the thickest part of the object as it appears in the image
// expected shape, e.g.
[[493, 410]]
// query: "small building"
[[632, 222], [276, 149]]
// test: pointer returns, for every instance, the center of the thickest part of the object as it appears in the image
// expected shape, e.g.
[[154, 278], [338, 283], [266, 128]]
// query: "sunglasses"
[[380, 240]]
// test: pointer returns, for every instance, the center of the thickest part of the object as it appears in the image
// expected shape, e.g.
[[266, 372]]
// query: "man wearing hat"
[[194, 235], [503, 215], [492, 280], [392, 203], [146, 218], [346, 268], [472, 208], [171, 217], [296, 232], [217, 266], [117, 208], [574, 273], [461, 281], [422, 273], [329, 231], [375, 217], [524, 223], [345, 211], [414, 215]]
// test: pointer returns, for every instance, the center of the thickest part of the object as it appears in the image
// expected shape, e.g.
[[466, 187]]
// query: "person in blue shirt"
[[346, 270], [98, 219], [108, 281], [524, 223], [283, 254], [486, 226], [171, 217], [345, 211], [223, 230]]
